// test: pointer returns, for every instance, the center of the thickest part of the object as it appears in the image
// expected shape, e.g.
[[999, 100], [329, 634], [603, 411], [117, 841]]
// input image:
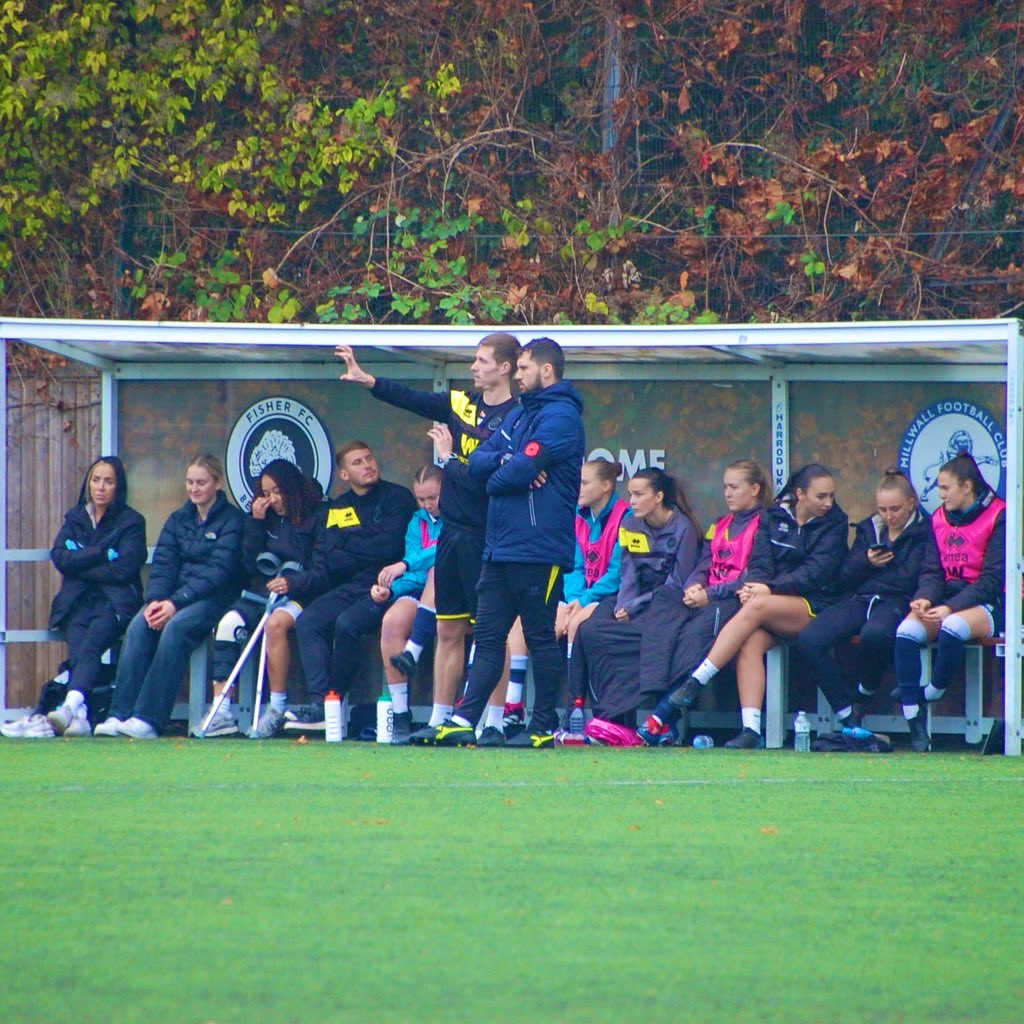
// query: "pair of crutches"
[[258, 634]]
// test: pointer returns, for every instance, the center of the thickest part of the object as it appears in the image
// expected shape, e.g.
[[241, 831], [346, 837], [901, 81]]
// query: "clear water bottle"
[[801, 733], [332, 718], [703, 742], [577, 718]]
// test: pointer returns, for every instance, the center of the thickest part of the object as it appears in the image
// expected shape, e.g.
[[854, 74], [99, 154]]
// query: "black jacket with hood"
[[898, 577], [802, 561], [89, 567]]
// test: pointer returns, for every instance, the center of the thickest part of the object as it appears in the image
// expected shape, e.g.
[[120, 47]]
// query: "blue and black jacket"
[[526, 523]]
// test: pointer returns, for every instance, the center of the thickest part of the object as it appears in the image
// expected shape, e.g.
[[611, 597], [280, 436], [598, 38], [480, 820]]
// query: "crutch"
[[260, 672], [229, 683]]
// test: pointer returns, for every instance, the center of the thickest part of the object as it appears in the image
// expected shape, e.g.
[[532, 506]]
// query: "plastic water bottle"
[[857, 732], [801, 733], [332, 718], [385, 716], [703, 742], [577, 718]]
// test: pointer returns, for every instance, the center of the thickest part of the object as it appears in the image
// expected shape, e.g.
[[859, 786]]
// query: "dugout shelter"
[[858, 397]]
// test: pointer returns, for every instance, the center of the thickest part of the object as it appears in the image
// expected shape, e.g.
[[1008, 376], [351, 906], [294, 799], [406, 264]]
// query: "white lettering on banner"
[[631, 461], [779, 446]]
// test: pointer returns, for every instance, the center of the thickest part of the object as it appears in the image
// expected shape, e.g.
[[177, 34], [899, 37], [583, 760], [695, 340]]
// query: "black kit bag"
[[845, 743]]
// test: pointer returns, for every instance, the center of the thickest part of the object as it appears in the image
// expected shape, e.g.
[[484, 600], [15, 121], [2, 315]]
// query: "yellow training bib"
[[635, 543], [343, 517]]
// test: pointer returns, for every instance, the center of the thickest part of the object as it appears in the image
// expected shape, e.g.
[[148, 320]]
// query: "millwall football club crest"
[[276, 428], [942, 430]]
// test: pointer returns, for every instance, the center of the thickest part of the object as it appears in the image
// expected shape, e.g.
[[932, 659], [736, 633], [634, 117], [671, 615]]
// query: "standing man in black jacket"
[[362, 531], [465, 419]]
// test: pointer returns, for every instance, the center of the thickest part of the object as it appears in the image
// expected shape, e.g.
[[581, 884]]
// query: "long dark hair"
[[801, 480], [671, 492], [300, 494], [965, 469]]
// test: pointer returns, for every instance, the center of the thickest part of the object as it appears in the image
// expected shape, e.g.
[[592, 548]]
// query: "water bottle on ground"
[[577, 718], [702, 742], [332, 718], [385, 716], [801, 733]]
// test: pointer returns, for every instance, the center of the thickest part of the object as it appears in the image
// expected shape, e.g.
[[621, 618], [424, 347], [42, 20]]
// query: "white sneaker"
[[60, 718], [222, 724], [137, 729], [79, 727], [32, 727], [16, 729], [110, 727]]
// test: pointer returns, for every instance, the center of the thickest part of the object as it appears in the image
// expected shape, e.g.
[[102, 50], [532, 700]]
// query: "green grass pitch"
[[224, 881]]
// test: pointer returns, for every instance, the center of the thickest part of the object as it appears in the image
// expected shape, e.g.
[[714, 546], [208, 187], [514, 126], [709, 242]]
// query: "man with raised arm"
[[531, 468], [464, 419]]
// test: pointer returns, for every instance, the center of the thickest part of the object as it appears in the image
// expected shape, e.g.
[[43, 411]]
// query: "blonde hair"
[[210, 463]]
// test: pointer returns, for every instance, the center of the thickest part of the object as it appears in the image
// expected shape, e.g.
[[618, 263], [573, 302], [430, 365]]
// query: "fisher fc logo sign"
[[942, 430], [276, 428]]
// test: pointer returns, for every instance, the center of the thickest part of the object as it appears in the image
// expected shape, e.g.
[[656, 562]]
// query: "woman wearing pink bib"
[[960, 589], [689, 619]]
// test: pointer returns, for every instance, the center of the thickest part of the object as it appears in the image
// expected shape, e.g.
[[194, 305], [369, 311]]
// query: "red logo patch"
[[532, 449]]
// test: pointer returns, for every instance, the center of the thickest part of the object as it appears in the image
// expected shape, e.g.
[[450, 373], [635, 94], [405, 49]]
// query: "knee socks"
[[949, 655], [910, 638]]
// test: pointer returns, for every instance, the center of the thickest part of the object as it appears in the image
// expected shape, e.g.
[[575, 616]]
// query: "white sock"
[[705, 672], [911, 711], [459, 720], [514, 693], [225, 705], [279, 701], [751, 717], [399, 697], [414, 649], [75, 699], [495, 717], [930, 693], [80, 712], [440, 713]]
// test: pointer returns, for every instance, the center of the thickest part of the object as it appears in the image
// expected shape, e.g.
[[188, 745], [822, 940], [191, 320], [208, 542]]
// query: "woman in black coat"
[[99, 552], [196, 574], [791, 576], [879, 577]]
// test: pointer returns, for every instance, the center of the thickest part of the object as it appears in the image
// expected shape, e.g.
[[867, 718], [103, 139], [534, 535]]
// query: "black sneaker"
[[491, 737], [919, 738], [855, 718], [527, 740], [746, 740], [401, 728], [514, 721], [686, 694], [422, 737], [404, 663], [450, 734], [307, 719]]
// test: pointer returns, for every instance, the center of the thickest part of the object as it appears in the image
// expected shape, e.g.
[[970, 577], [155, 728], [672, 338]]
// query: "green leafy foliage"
[[460, 162]]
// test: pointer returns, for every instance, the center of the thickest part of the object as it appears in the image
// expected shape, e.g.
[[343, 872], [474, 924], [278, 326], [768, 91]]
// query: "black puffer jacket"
[[898, 577], [121, 529], [803, 561], [195, 560]]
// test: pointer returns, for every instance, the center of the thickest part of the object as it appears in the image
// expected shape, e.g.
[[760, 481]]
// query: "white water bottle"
[[385, 716], [801, 733], [332, 718]]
